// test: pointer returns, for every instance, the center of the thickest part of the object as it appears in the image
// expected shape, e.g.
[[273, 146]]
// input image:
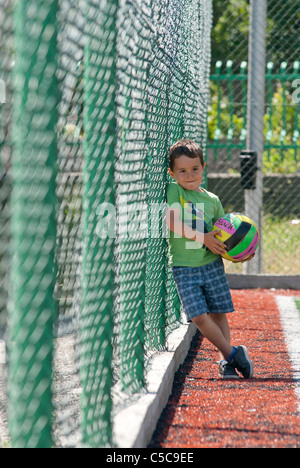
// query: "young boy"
[[197, 267]]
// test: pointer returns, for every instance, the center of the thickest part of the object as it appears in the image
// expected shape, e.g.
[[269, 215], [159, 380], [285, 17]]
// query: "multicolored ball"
[[240, 235]]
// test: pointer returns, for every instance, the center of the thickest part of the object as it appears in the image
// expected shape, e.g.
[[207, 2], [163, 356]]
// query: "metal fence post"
[[98, 245], [255, 117], [33, 225]]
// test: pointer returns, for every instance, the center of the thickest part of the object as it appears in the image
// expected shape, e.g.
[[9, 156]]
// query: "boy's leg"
[[241, 359], [222, 322], [213, 333], [216, 329]]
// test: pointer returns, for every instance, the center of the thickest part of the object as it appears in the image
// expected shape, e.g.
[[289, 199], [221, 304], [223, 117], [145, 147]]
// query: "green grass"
[[4, 444], [280, 243]]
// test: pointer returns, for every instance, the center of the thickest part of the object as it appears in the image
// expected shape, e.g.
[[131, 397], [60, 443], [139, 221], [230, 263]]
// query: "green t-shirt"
[[199, 210]]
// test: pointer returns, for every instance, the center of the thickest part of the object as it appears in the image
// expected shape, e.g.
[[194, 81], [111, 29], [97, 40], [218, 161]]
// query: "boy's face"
[[188, 172]]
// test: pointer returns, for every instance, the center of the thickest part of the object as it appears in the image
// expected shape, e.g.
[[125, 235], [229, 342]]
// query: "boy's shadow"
[[167, 415]]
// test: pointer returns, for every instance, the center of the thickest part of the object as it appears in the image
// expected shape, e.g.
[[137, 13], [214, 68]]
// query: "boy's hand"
[[216, 246]]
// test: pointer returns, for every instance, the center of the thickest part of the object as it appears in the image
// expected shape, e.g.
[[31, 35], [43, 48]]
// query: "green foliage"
[[231, 29], [226, 120], [277, 161], [279, 126]]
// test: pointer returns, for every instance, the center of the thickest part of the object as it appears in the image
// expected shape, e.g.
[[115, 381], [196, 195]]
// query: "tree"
[[231, 30]]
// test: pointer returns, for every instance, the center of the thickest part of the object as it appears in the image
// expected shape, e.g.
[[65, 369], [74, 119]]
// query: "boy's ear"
[[171, 173]]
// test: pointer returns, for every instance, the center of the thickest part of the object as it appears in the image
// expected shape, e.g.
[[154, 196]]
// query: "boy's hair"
[[185, 148]]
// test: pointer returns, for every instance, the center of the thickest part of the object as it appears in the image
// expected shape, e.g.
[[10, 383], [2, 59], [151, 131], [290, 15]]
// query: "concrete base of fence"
[[134, 425], [263, 281]]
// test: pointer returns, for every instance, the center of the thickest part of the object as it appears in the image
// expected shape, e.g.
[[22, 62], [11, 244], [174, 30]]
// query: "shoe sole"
[[230, 377]]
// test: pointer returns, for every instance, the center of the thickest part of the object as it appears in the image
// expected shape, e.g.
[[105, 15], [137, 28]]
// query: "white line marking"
[[290, 320]]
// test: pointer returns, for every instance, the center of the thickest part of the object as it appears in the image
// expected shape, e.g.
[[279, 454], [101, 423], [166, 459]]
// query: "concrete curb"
[[241, 281], [134, 425]]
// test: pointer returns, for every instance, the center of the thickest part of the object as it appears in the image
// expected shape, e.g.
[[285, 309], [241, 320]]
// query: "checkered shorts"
[[203, 289]]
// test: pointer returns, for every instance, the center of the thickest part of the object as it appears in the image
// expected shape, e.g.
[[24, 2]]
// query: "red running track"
[[205, 411]]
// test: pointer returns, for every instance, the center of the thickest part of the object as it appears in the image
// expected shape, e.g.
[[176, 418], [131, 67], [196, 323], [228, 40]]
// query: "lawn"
[[280, 244]]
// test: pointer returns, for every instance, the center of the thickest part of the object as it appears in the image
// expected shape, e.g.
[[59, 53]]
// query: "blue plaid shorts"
[[203, 289]]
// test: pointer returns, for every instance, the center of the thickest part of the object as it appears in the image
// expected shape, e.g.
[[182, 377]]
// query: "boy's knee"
[[218, 317], [200, 319]]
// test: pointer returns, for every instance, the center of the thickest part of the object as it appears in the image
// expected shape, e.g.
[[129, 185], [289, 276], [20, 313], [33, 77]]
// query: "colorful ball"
[[239, 234]]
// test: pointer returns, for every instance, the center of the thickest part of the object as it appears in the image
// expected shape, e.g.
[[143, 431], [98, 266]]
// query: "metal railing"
[[228, 129]]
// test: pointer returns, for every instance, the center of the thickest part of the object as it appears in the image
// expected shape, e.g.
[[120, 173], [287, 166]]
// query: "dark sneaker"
[[227, 371], [242, 362]]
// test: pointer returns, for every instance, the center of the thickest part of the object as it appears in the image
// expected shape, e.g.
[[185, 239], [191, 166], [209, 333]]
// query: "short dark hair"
[[187, 148]]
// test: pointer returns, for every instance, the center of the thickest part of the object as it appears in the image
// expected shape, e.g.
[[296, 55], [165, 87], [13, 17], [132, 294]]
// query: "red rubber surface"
[[205, 411]]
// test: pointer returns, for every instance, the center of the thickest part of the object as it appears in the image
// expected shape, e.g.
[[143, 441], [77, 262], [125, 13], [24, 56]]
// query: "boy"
[[197, 267]]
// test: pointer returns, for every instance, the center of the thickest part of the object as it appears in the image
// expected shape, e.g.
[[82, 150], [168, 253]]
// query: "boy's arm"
[[175, 225]]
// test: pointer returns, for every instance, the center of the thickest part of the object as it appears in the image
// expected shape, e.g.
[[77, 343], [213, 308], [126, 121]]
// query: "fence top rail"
[[225, 72]]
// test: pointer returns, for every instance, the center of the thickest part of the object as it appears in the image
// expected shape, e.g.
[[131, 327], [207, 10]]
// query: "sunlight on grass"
[[280, 242]]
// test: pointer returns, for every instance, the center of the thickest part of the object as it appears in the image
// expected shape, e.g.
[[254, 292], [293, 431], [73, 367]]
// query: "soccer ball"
[[239, 234]]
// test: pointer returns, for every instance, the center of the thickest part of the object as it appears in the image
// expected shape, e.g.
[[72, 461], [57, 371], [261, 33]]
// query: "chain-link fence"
[[95, 93], [227, 125], [92, 94]]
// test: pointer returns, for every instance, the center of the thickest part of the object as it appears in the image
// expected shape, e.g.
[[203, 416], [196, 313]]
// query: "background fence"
[[96, 92], [227, 125]]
